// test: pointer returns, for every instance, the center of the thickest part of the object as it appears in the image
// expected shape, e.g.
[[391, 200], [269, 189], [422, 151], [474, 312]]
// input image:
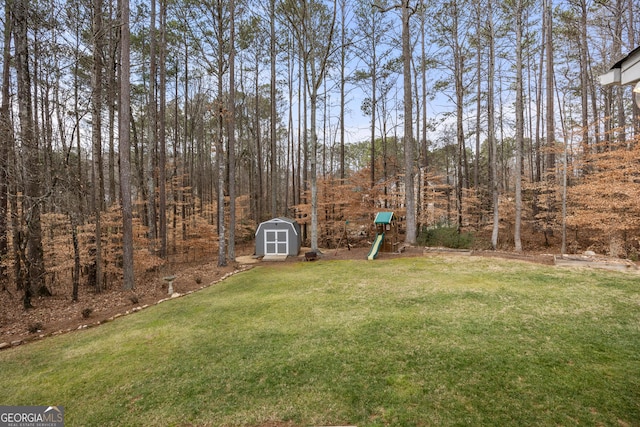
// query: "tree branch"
[[395, 6]]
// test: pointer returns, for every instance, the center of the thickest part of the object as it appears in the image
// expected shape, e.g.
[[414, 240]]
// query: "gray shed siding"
[[278, 236]]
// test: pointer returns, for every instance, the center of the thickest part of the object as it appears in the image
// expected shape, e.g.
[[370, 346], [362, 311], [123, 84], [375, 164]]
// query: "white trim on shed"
[[278, 236]]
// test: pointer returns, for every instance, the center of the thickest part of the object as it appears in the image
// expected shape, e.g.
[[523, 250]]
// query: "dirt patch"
[[546, 259], [599, 262]]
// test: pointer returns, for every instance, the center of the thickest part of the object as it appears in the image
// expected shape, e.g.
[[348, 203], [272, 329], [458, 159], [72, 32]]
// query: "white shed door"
[[276, 242]]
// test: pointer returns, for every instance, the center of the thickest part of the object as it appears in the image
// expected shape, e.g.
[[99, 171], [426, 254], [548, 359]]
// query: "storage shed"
[[278, 236]]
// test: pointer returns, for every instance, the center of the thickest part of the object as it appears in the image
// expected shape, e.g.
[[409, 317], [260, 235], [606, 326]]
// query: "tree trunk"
[[491, 133], [112, 94], [584, 76], [619, 91], [458, 68], [124, 149], [75, 274], [259, 190], [96, 122], [272, 134], [175, 179], [185, 180], [152, 138], [313, 98], [423, 43], [538, 136], [232, 134], [476, 163], [222, 256], [162, 167], [343, 55], [519, 126], [6, 144], [410, 202], [34, 256], [550, 122], [294, 170], [374, 101]]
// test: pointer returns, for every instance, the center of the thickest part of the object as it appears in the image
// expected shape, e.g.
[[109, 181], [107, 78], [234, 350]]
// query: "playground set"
[[279, 238], [386, 240]]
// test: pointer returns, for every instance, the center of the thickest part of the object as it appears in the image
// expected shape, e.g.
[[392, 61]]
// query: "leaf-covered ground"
[[59, 313]]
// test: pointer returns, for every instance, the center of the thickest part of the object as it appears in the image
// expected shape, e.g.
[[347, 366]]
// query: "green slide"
[[373, 253]]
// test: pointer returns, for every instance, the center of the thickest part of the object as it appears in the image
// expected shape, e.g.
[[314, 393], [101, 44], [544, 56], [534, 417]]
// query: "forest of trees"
[[139, 132]]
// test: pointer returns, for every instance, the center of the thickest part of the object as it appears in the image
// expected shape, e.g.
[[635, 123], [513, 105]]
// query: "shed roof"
[[279, 220], [383, 218]]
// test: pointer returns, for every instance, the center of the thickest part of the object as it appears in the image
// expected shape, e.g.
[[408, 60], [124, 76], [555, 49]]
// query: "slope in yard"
[[410, 341]]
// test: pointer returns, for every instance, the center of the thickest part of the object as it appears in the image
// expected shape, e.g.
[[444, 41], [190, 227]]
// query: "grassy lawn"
[[404, 342]]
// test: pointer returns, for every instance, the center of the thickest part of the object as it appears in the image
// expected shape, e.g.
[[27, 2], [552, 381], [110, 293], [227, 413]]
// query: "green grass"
[[405, 342]]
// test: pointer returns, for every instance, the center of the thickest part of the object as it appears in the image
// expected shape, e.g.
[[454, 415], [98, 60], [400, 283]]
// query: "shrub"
[[445, 236]]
